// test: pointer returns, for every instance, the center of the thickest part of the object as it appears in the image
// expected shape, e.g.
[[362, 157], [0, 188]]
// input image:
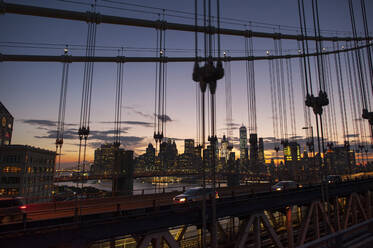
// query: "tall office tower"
[[6, 126], [253, 147], [224, 148], [189, 146], [292, 152], [243, 143], [261, 151]]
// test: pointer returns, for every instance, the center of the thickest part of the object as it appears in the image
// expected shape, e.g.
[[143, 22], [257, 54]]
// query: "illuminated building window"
[[29, 170], [11, 169], [2, 191], [13, 191]]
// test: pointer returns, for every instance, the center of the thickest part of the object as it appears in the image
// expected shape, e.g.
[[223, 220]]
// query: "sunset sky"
[[30, 90]]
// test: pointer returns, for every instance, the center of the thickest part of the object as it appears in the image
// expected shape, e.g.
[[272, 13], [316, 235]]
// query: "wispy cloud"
[[138, 112], [135, 123]]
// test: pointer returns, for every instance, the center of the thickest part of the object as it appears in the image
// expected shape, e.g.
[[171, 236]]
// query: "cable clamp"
[[248, 33], [93, 17]]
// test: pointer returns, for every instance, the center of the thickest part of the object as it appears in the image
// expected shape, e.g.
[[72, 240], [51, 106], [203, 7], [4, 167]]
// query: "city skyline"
[[31, 94]]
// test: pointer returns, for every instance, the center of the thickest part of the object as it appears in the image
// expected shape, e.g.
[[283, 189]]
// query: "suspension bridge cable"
[[62, 109]]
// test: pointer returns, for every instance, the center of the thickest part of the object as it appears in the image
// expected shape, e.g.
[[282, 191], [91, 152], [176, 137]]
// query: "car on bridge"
[[195, 194], [333, 179], [11, 209], [285, 185]]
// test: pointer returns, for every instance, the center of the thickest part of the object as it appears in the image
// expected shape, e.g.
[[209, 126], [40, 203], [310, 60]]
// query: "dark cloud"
[[52, 134], [105, 136], [129, 142], [43, 123], [352, 135], [165, 118]]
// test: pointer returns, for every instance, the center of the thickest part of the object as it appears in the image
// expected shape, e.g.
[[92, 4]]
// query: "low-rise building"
[[26, 171]]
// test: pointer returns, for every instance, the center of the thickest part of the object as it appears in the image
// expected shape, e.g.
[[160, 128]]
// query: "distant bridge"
[[219, 175]]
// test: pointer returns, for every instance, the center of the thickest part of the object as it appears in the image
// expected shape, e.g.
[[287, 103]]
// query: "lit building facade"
[[292, 152], [224, 148], [26, 171], [243, 143], [104, 159], [6, 126]]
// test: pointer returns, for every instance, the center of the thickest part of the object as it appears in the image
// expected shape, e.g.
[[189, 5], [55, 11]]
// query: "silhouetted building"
[[261, 157], [104, 159], [123, 173], [341, 160], [6, 126], [150, 157], [243, 143], [253, 148], [189, 146], [168, 154], [26, 171], [197, 151]]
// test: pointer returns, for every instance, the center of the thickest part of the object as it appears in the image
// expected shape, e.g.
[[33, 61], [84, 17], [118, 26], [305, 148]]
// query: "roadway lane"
[[61, 209]]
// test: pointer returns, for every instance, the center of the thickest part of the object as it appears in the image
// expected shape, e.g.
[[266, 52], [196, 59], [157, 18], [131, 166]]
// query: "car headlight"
[[278, 189], [182, 199]]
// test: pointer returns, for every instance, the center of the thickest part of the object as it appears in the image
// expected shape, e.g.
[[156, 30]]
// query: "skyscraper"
[[224, 148], [189, 146], [243, 143], [253, 148], [261, 151]]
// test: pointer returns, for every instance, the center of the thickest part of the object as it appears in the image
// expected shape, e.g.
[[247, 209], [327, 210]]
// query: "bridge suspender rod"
[[62, 109], [104, 59], [83, 16]]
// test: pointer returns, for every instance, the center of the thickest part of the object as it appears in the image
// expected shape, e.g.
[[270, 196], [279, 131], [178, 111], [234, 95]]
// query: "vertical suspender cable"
[[85, 109], [62, 108]]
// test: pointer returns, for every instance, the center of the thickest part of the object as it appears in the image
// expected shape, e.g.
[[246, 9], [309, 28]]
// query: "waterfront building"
[[104, 159], [27, 172], [6, 126]]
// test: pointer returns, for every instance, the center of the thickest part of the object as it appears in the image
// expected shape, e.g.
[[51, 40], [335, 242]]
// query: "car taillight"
[[23, 207], [216, 195]]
